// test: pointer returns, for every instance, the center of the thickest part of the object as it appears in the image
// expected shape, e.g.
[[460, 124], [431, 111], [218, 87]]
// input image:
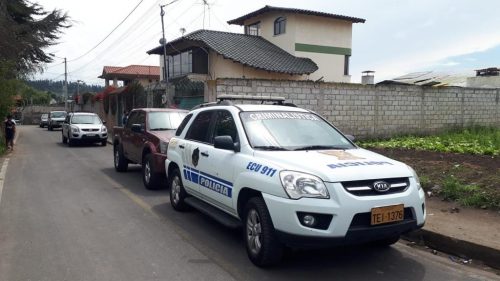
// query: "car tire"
[[150, 179], [386, 242], [121, 163], [71, 142], [177, 192], [263, 247], [104, 143], [64, 139]]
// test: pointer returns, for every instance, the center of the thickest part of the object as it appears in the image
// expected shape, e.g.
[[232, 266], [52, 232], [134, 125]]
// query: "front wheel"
[[121, 163], [177, 192], [263, 247], [104, 142], [150, 179]]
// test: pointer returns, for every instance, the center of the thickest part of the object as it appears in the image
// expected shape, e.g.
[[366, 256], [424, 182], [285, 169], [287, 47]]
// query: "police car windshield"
[[288, 130]]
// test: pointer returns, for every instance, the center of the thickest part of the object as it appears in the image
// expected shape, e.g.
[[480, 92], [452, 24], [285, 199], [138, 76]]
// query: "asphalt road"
[[65, 214]]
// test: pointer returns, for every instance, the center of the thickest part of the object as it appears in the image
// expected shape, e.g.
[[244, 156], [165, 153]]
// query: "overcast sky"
[[398, 37]]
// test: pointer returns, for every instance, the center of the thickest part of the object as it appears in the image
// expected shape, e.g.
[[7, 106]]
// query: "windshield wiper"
[[270, 147], [160, 129], [314, 147]]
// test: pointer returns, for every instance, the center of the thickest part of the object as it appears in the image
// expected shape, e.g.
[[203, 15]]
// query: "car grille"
[[364, 187], [90, 130]]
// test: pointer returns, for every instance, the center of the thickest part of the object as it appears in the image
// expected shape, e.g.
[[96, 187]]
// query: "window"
[[200, 128], [253, 29], [183, 125], [132, 119], [180, 64], [346, 64], [225, 125], [161, 121], [279, 26]]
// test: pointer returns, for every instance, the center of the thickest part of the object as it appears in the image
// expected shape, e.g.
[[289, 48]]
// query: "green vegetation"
[[471, 195], [473, 140], [26, 29]]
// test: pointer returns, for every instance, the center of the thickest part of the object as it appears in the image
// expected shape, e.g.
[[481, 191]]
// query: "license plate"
[[387, 214], [90, 135]]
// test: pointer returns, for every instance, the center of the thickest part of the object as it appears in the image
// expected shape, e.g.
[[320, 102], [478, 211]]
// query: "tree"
[[25, 30]]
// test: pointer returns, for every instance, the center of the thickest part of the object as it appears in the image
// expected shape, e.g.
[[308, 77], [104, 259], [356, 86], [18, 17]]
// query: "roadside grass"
[[466, 183], [472, 140], [470, 195]]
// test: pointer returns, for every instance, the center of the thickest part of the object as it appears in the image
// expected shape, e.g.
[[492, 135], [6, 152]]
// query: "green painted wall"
[[322, 49]]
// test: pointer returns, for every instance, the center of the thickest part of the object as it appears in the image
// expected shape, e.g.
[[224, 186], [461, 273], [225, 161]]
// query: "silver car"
[[56, 118], [84, 127], [44, 120]]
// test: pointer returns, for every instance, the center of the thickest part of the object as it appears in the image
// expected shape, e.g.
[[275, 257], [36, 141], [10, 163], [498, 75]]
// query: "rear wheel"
[[150, 179], [121, 163], [263, 247], [177, 192]]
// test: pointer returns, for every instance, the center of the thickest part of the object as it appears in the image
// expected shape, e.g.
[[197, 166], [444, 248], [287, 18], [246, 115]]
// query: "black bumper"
[[355, 235]]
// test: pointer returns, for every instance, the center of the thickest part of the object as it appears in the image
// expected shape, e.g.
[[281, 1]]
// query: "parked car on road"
[[44, 120], [84, 127], [144, 141], [56, 119], [289, 178]]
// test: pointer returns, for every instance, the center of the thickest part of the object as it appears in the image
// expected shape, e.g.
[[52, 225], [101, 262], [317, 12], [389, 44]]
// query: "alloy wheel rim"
[[254, 232], [117, 157], [147, 172], [176, 190]]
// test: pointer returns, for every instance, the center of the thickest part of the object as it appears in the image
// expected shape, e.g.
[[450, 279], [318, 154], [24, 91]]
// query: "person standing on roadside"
[[10, 132], [125, 117]]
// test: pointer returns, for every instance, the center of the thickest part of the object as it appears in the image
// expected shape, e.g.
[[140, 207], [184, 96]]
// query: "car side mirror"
[[226, 143], [351, 138], [136, 128], [103, 121]]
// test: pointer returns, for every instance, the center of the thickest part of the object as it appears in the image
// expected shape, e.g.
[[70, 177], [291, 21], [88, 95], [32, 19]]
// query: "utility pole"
[[65, 85], [165, 61], [80, 99]]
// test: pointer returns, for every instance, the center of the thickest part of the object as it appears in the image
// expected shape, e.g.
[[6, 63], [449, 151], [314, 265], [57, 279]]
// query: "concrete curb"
[[457, 247]]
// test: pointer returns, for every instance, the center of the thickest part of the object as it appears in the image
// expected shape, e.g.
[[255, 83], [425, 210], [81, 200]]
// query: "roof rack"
[[278, 100], [227, 100]]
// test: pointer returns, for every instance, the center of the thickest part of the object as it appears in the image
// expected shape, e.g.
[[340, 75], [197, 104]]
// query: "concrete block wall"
[[379, 111]]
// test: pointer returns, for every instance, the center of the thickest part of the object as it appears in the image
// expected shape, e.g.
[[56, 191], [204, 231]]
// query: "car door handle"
[[181, 146], [204, 154]]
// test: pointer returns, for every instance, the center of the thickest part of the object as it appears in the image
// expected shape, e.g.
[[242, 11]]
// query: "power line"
[[109, 33]]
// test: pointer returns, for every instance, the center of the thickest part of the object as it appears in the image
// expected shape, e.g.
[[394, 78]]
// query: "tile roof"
[[131, 70], [253, 51], [429, 78], [266, 9]]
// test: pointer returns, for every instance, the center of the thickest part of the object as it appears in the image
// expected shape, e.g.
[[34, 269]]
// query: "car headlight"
[[104, 129], [75, 129], [415, 176], [298, 185], [163, 147]]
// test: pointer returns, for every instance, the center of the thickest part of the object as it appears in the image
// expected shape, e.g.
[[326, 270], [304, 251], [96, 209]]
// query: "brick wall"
[[385, 110]]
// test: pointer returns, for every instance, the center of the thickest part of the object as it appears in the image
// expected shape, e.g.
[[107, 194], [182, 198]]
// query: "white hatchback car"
[[84, 127]]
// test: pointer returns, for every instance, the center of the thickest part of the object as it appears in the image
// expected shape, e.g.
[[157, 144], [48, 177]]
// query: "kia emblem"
[[381, 186]]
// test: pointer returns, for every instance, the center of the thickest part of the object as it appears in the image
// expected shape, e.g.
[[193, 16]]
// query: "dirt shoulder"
[[435, 168]]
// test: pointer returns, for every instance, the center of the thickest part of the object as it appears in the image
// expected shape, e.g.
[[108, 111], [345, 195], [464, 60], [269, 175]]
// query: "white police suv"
[[290, 178]]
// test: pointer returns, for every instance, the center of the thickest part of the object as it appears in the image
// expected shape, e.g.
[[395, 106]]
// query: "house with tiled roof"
[[144, 74], [277, 43]]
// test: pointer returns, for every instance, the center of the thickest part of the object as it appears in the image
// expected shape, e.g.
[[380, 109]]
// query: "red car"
[[144, 140]]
